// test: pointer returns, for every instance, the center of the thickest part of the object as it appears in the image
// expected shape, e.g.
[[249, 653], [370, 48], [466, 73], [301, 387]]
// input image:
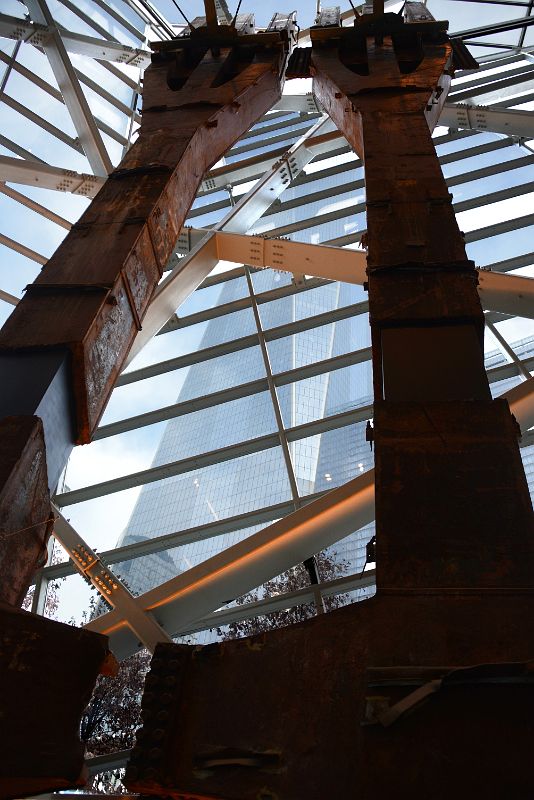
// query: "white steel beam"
[[521, 400], [507, 351], [45, 176], [321, 261], [153, 17], [195, 593], [498, 92], [37, 207], [8, 298], [23, 250], [36, 34], [191, 270], [53, 92], [509, 121], [453, 115], [70, 88], [509, 294], [327, 143], [279, 602], [303, 102], [141, 623]]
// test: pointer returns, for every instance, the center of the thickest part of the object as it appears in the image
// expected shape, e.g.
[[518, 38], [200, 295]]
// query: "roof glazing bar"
[[73, 95], [102, 50]]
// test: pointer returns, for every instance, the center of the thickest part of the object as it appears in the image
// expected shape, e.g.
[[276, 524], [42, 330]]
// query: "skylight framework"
[[71, 93]]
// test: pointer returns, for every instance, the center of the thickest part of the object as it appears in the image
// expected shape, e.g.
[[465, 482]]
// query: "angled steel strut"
[[66, 341], [331, 707]]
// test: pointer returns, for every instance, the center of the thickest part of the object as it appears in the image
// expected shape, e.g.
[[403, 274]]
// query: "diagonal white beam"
[[45, 176], [479, 118], [36, 34], [153, 17], [193, 269], [37, 207], [193, 594], [33, 255], [72, 92], [8, 298], [141, 623]]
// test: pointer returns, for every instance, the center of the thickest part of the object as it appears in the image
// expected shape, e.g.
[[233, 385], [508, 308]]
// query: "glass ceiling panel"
[[37, 62], [502, 246], [473, 15]]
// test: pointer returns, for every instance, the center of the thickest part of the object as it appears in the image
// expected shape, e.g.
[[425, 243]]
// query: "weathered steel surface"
[[283, 715], [47, 673], [304, 712], [449, 479], [386, 102], [384, 117], [456, 509], [104, 273], [24, 506]]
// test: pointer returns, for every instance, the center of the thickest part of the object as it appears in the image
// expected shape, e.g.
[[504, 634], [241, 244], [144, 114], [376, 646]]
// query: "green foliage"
[[113, 715]]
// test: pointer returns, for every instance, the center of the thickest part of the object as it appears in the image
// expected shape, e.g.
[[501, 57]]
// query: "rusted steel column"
[[331, 707], [449, 479], [23, 504], [201, 93], [47, 672]]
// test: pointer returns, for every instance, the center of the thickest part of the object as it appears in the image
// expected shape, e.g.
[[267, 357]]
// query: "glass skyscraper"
[[260, 480]]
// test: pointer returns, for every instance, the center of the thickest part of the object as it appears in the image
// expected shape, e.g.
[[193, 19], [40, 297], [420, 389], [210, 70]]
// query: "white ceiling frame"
[[142, 624], [77, 105], [45, 176], [36, 34]]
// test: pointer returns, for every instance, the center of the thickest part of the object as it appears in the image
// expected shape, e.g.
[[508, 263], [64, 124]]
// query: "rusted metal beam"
[[324, 702], [294, 713], [25, 515], [423, 300], [47, 671], [201, 93]]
